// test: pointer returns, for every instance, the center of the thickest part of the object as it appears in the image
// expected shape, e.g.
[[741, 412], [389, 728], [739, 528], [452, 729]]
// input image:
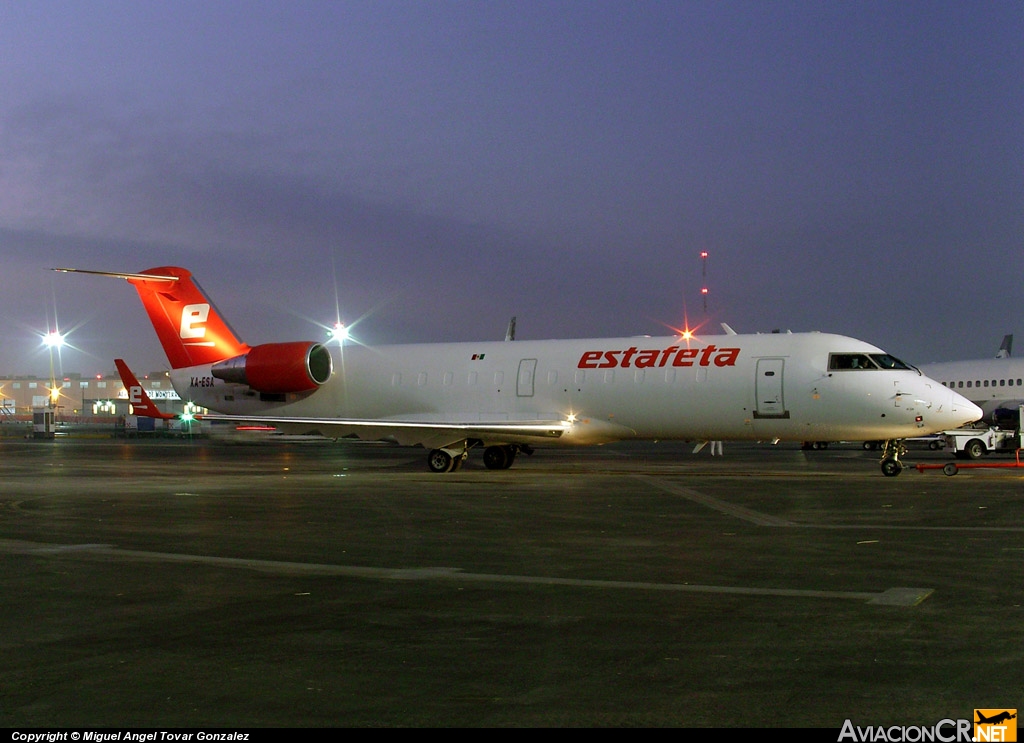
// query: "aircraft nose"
[[963, 410]]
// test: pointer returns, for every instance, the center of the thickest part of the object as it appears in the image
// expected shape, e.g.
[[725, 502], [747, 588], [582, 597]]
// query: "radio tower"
[[704, 280]]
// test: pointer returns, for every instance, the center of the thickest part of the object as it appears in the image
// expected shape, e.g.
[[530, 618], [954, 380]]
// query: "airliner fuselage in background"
[[510, 396], [996, 385]]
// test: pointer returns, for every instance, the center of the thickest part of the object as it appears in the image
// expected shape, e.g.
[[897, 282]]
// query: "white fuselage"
[[753, 387]]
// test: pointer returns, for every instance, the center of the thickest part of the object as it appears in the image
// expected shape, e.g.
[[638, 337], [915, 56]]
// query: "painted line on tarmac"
[[904, 527], [754, 517], [763, 519], [890, 597]]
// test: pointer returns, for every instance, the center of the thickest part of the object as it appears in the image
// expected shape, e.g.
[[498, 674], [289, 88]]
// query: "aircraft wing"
[[429, 434]]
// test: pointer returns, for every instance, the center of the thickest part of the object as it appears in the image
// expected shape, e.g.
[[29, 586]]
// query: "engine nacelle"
[[279, 367]]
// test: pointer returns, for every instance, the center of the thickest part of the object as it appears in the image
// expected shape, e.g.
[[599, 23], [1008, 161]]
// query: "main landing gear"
[[446, 460], [498, 457], [892, 450]]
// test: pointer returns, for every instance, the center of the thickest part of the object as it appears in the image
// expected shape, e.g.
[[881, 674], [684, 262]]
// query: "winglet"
[[141, 403]]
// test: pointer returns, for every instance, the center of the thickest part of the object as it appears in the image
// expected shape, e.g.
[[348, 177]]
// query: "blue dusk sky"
[[430, 169]]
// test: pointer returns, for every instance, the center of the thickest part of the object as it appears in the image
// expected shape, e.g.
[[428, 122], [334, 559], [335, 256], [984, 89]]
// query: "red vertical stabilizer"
[[190, 328]]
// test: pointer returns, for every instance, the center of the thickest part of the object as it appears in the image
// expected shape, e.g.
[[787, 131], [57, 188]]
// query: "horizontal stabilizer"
[[116, 275]]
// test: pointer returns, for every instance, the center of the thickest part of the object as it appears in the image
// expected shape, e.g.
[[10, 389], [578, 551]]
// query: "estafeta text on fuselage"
[[657, 357]]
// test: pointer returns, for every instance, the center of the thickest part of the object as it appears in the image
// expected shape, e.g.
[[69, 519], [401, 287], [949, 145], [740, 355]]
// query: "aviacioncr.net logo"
[[944, 731], [995, 725]]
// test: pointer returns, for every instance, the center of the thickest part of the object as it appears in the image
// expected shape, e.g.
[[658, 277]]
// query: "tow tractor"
[[974, 443]]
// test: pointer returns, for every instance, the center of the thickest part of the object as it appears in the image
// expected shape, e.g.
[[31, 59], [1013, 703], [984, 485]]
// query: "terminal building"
[[74, 401]]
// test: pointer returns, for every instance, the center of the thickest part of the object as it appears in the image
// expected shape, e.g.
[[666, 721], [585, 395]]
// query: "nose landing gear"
[[892, 450]]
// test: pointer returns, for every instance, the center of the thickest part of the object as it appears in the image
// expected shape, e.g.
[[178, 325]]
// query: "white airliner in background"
[[996, 384], [508, 397]]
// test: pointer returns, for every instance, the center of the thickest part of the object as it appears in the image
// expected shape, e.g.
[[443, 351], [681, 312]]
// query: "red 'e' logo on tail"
[[192, 318]]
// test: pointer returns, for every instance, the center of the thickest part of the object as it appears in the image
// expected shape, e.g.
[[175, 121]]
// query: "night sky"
[[430, 169]]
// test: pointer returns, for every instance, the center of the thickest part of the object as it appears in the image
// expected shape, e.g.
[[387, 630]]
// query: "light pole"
[[704, 280], [53, 340]]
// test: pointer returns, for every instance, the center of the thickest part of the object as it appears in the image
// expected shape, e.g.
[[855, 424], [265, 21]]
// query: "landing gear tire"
[[891, 467], [892, 450], [499, 457], [440, 461]]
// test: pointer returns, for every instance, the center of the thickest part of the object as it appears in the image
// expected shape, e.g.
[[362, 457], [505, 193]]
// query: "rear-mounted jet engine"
[[278, 368]]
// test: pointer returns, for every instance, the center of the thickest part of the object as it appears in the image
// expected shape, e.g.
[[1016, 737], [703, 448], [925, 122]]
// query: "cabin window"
[[968, 383]]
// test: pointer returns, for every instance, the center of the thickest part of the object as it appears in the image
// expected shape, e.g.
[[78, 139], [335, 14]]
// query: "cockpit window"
[[858, 361], [886, 361], [848, 361]]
